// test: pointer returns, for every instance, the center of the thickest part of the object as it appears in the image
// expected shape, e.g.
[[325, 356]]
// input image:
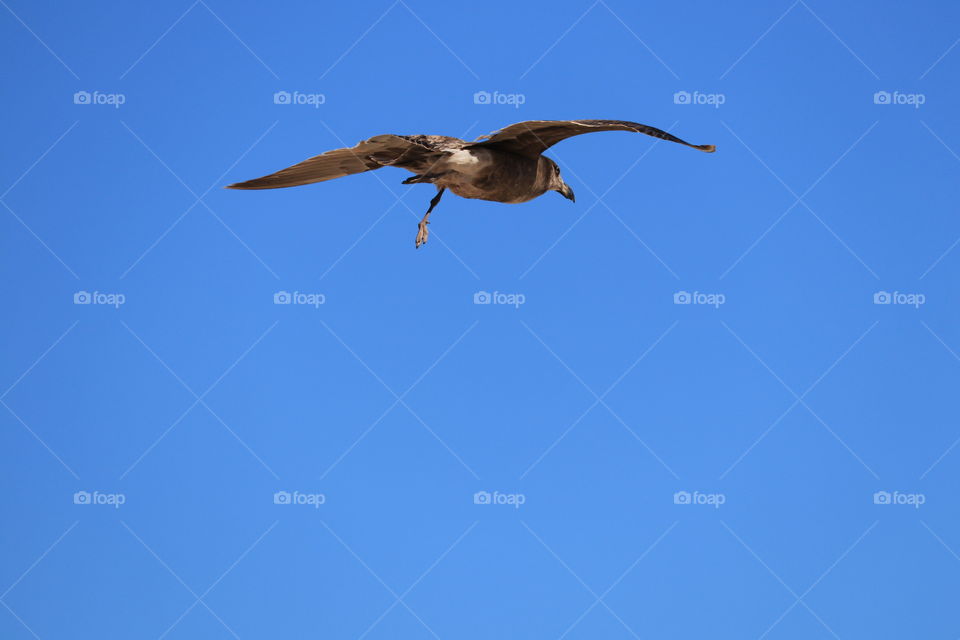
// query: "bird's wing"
[[379, 151], [533, 137]]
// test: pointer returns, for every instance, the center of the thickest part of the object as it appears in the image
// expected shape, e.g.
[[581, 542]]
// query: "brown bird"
[[505, 166]]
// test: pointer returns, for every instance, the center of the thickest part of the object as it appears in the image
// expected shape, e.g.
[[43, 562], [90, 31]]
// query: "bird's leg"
[[426, 177], [422, 232]]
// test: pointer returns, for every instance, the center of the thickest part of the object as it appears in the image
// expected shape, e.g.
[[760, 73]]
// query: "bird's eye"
[[556, 169]]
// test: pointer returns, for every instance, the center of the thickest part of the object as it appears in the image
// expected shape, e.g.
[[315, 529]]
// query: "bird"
[[506, 166]]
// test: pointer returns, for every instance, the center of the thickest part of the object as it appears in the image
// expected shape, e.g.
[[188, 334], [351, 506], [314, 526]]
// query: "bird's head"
[[555, 182]]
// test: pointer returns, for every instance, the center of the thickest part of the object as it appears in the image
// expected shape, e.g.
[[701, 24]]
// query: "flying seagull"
[[505, 166]]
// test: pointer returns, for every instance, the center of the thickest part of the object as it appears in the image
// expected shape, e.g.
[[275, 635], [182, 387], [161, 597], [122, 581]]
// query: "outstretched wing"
[[533, 137], [379, 151]]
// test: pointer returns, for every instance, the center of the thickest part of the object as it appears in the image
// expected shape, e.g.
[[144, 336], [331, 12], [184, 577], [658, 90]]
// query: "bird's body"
[[506, 166], [489, 174]]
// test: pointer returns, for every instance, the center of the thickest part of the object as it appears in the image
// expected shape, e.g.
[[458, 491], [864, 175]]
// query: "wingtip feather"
[[709, 148]]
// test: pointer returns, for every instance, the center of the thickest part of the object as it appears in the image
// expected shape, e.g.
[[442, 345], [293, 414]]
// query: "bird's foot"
[[422, 232]]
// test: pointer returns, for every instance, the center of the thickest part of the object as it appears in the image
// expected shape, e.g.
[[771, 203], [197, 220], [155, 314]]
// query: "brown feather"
[[533, 137], [379, 151]]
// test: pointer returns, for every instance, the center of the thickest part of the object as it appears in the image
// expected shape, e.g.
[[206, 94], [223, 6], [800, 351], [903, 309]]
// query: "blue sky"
[[713, 398]]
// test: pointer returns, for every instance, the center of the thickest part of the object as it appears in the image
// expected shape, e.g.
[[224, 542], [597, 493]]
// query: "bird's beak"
[[567, 192]]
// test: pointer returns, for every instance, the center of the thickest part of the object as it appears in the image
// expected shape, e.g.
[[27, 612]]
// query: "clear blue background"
[[514, 400]]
